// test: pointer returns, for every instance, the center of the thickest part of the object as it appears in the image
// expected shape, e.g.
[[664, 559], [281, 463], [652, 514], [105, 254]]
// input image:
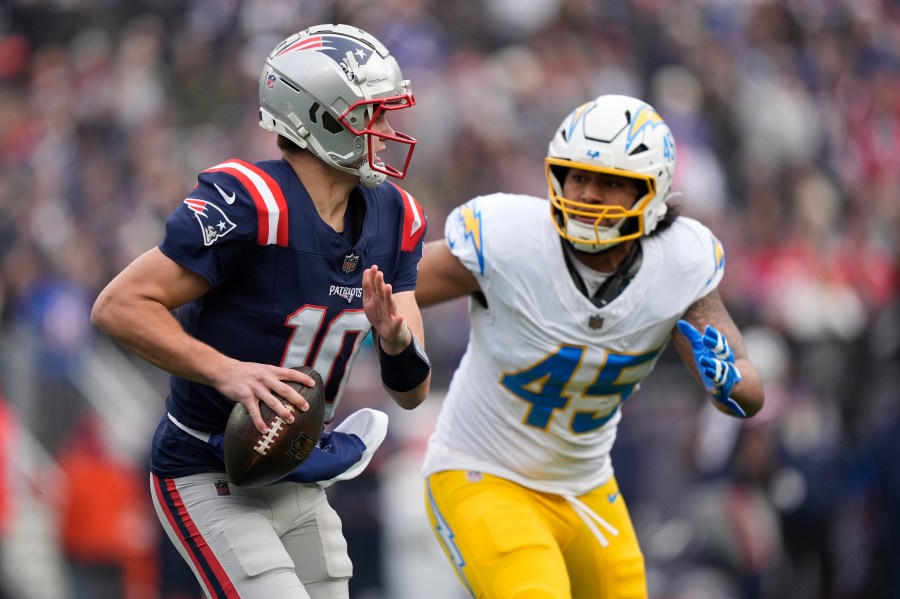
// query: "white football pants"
[[279, 541]]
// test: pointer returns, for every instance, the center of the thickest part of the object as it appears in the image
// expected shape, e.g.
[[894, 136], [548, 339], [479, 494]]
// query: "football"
[[253, 459]]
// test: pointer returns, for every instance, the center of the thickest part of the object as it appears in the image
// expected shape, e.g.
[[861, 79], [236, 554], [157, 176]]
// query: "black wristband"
[[406, 370]]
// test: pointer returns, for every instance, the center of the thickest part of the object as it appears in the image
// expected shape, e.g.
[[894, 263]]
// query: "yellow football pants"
[[509, 542]]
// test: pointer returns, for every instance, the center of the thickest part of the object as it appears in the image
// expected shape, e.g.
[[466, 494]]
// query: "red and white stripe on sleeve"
[[271, 207], [413, 220]]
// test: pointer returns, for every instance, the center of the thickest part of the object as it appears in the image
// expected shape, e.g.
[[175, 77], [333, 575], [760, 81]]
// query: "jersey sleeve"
[[412, 240], [464, 236], [702, 259], [486, 234], [235, 205]]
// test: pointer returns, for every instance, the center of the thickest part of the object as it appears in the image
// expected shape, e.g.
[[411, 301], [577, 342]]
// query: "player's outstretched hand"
[[381, 310], [249, 383], [715, 363]]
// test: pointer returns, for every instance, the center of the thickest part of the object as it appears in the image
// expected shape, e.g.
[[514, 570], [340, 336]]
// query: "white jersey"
[[536, 398]]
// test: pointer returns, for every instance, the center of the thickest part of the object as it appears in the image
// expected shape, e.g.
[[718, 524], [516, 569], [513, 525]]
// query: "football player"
[[269, 265], [571, 303]]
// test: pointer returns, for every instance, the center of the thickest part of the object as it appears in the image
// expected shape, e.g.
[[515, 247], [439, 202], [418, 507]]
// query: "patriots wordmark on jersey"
[[286, 288]]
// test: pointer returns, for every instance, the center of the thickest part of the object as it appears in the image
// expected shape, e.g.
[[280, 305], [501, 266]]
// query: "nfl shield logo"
[[350, 262], [301, 447], [595, 322], [222, 487], [270, 80]]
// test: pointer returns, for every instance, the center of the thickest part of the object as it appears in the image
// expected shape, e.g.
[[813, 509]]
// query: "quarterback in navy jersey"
[[264, 267], [286, 288]]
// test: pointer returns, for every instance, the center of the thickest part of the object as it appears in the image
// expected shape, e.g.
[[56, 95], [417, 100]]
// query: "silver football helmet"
[[324, 87], [616, 135]]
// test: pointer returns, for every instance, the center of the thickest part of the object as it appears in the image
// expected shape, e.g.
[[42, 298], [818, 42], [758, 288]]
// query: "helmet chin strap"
[[578, 230], [368, 176], [615, 284]]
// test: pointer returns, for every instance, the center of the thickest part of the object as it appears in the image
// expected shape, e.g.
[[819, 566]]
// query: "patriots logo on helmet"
[[213, 222], [338, 48]]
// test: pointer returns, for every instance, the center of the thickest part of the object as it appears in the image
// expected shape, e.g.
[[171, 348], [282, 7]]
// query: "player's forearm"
[[405, 367], [149, 330], [749, 391], [413, 398]]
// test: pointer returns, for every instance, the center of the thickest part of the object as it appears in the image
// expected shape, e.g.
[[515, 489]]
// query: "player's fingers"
[[368, 281], [690, 333], [378, 281], [292, 396], [711, 369], [255, 416], [282, 410], [290, 374], [386, 299], [715, 341]]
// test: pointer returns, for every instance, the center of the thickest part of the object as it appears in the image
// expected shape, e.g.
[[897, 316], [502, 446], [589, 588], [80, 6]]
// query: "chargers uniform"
[[536, 399], [286, 289]]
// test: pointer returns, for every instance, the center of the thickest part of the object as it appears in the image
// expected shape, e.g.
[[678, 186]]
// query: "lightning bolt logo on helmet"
[[645, 117]]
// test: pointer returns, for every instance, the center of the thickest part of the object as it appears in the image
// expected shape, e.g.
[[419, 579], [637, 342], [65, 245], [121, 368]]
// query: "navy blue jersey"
[[286, 289]]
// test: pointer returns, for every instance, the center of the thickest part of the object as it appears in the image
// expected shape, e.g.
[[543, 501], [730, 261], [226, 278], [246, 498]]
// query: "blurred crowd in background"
[[787, 119]]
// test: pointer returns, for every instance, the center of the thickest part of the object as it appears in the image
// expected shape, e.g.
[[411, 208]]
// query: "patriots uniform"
[[537, 397], [286, 289]]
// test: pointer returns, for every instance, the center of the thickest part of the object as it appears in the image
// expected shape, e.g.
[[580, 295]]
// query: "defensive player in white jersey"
[[571, 304]]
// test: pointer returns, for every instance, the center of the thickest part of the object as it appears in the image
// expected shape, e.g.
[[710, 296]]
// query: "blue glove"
[[340, 455], [715, 363]]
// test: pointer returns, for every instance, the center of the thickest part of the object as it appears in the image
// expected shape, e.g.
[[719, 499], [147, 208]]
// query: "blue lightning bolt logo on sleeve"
[[471, 219]]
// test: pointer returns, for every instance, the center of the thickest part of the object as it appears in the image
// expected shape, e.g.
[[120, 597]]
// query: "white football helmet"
[[616, 135], [324, 87]]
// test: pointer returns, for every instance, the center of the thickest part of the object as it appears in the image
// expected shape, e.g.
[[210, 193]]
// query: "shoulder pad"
[[413, 220], [260, 189], [701, 251]]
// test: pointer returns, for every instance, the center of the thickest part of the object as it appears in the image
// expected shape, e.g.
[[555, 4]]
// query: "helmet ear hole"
[[331, 124], [639, 149]]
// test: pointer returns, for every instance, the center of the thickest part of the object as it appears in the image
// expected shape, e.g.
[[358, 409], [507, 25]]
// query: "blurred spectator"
[[8, 435], [105, 519]]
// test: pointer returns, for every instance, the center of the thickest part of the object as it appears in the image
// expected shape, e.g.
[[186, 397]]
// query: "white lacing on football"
[[263, 445]]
